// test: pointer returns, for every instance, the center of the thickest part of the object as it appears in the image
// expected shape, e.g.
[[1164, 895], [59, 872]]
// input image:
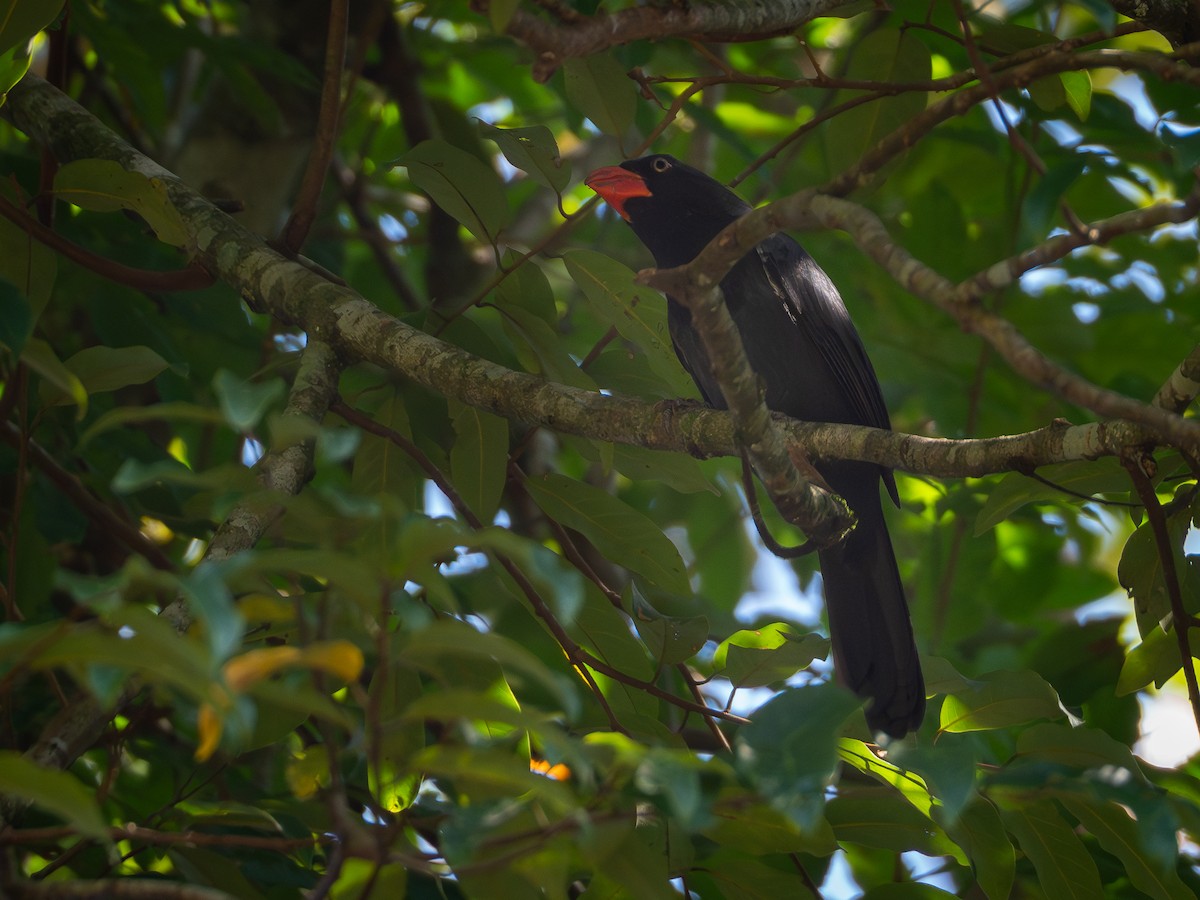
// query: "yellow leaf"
[[307, 772], [266, 608], [208, 727], [245, 671], [340, 658]]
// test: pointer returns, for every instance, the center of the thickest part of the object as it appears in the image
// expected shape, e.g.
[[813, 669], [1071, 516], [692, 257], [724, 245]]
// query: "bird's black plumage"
[[800, 340]]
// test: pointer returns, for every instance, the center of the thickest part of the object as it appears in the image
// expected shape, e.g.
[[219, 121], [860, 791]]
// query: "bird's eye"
[[661, 164]]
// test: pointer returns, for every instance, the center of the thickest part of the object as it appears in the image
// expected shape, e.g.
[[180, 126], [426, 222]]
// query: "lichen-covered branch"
[[359, 330], [553, 42]]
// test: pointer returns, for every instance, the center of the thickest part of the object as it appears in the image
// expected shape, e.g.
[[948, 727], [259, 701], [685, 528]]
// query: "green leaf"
[[1048, 93], [1119, 834], [381, 468], [102, 369], [557, 581], [244, 403], [1078, 88], [618, 531], [28, 264], [479, 458], [673, 775], [166, 412], [1154, 661], [460, 184], [638, 313], [909, 784], [767, 655], [1000, 700], [14, 63], [734, 876], [20, 20], [743, 822], [676, 470], [885, 54], [533, 150], [549, 357], [879, 818], [1082, 747], [980, 832], [40, 358], [791, 749], [605, 631], [1141, 571], [1064, 867], [16, 318], [102, 185], [442, 646], [210, 600], [58, 792], [599, 88], [135, 642], [1016, 490], [671, 639], [133, 475], [911, 890]]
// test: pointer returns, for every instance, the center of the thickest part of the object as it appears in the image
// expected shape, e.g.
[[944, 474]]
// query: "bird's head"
[[674, 209]]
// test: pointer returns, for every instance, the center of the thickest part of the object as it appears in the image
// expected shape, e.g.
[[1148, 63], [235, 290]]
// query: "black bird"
[[800, 340]]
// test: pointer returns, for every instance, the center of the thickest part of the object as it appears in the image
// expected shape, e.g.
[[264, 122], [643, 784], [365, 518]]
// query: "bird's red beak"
[[616, 185]]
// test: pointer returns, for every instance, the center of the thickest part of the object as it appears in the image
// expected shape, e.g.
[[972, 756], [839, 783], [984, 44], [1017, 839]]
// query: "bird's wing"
[[818, 310]]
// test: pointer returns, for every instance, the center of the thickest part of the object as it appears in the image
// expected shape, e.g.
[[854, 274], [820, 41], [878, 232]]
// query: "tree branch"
[[1176, 20], [555, 42], [958, 301]]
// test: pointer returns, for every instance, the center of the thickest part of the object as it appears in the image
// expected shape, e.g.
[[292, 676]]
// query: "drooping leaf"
[[617, 530], [638, 313], [885, 54], [58, 792], [40, 358], [534, 151], [790, 750], [671, 639], [461, 185], [1119, 834], [1064, 867], [479, 458]]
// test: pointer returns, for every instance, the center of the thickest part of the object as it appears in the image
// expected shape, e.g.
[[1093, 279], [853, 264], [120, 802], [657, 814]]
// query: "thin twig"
[[1166, 557]]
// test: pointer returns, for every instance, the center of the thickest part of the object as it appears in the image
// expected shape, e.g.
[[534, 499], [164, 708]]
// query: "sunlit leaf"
[[102, 185], [999, 700], [20, 20], [767, 655]]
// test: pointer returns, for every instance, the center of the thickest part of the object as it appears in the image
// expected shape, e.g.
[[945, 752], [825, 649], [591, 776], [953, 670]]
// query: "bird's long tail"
[[873, 649]]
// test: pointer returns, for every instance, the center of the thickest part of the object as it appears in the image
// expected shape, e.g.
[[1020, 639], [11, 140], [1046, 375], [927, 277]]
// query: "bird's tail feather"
[[873, 648]]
